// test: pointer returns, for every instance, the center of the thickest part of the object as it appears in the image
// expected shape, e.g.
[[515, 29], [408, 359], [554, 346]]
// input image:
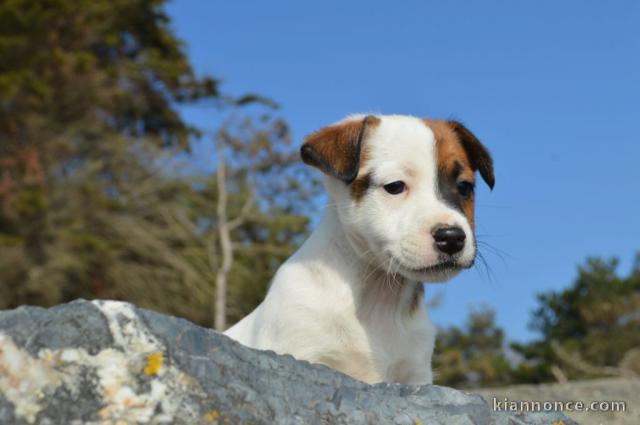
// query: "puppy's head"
[[404, 190]]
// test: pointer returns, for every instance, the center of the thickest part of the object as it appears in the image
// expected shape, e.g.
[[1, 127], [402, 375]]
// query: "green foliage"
[[474, 355], [100, 196], [588, 328], [111, 64]]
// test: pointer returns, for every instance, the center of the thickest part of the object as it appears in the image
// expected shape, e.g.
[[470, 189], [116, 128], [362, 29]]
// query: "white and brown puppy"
[[401, 213]]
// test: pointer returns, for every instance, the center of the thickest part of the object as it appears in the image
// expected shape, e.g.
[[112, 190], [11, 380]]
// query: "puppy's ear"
[[478, 155], [335, 150]]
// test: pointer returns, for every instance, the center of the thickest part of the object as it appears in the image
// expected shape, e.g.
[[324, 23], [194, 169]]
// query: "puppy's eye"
[[395, 188], [465, 188]]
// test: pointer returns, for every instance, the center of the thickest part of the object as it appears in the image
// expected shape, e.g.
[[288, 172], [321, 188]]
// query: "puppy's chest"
[[375, 351]]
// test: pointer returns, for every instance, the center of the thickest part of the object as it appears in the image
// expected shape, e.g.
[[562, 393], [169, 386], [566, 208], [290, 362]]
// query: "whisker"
[[489, 273], [495, 251]]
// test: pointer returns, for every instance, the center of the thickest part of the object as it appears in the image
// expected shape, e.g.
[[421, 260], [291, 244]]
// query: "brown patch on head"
[[454, 166], [459, 154], [336, 149], [449, 149], [360, 185], [478, 155]]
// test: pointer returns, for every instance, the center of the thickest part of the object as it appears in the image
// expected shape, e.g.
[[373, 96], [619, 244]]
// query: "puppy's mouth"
[[443, 270], [444, 266]]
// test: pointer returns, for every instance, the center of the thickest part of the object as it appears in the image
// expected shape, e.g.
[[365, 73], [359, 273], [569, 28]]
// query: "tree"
[[474, 355], [100, 196], [74, 76], [257, 165], [589, 329], [112, 65]]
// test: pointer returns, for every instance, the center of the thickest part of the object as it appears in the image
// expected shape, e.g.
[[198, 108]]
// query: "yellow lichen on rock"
[[154, 363], [211, 416]]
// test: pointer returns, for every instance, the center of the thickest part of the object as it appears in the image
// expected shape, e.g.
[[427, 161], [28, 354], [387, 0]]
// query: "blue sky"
[[551, 87]]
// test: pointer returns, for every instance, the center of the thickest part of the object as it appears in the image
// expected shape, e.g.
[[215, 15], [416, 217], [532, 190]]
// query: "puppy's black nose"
[[449, 239]]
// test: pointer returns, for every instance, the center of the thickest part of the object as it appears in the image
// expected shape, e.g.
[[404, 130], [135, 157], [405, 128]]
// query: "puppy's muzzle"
[[449, 240]]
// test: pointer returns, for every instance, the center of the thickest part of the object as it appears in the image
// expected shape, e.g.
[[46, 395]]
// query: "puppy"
[[401, 213]]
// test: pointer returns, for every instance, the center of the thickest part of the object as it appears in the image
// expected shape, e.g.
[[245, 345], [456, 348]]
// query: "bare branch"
[[244, 212], [266, 248], [224, 234], [558, 374], [575, 361]]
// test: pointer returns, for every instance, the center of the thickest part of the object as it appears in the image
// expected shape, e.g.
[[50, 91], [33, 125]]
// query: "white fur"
[[343, 298]]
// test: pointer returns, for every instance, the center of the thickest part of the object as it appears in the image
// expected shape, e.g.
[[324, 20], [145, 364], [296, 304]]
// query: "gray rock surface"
[[109, 362]]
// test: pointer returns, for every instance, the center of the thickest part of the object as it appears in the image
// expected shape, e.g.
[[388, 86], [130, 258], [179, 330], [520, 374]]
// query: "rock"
[[108, 362]]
